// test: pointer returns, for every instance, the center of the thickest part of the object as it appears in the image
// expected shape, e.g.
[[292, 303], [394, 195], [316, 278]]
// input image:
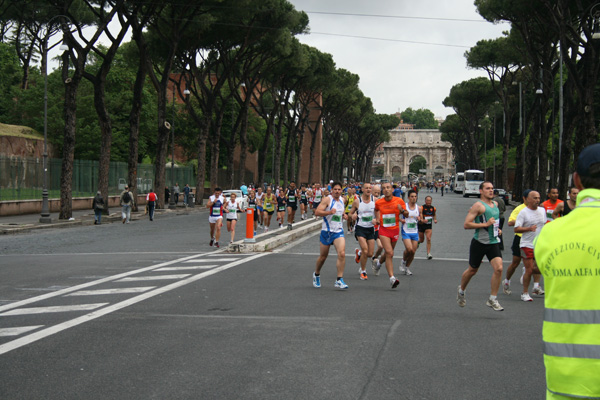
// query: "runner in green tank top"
[[484, 218]]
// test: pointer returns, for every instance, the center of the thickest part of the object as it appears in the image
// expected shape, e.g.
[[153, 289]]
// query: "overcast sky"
[[393, 73]]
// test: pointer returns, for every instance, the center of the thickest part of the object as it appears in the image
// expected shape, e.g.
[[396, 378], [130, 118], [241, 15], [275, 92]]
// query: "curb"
[[270, 244]]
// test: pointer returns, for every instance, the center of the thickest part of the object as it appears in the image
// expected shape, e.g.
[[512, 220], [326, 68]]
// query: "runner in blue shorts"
[[410, 233]]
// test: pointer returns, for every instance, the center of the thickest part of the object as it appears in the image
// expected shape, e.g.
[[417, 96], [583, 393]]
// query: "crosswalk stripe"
[[111, 291], [201, 260], [153, 278], [52, 309], [16, 331], [185, 268]]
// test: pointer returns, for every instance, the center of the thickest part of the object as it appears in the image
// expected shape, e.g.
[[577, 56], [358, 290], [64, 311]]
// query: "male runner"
[[269, 202], [331, 208], [483, 216], [530, 222], [259, 206], [387, 216], [291, 199], [428, 218], [350, 199], [565, 207], [375, 264], [363, 211], [410, 233], [215, 216], [317, 196], [552, 202], [303, 202]]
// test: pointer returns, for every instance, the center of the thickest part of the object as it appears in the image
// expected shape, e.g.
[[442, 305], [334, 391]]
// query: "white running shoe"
[[538, 290], [494, 305], [526, 297], [408, 271], [376, 266], [506, 288], [460, 298], [429, 256]]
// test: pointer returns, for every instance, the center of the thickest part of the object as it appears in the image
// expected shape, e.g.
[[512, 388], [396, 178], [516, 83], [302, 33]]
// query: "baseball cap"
[[588, 157]]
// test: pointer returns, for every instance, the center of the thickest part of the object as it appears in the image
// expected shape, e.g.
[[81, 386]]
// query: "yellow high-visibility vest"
[[567, 252]]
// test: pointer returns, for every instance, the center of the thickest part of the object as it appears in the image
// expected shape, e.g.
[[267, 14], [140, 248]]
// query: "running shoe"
[[212, 241], [356, 256], [429, 256], [266, 230], [506, 288], [526, 297], [408, 271], [538, 290], [340, 284], [522, 275], [460, 298], [376, 266], [363, 275], [494, 305], [316, 281], [403, 268], [394, 282], [217, 245]]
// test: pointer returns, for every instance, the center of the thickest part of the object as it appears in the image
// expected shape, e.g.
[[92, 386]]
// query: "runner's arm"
[[353, 211], [321, 211], [476, 210], [558, 210]]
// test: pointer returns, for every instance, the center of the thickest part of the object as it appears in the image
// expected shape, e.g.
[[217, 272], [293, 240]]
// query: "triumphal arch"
[[406, 144]]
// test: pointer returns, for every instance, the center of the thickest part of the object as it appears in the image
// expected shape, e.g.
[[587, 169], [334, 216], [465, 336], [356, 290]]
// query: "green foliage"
[[421, 118]]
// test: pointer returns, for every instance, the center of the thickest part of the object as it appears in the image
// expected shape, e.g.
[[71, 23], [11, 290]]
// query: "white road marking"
[[153, 278], [210, 260], [52, 309], [25, 340], [185, 268], [16, 331], [112, 291], [93, 283]]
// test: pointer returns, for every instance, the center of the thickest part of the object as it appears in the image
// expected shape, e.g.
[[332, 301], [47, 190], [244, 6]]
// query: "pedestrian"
[[502, 209], [151, 203], [167, 195], [529, 223], [186, 194], [98, 207], [331, 208], [568, 255], [232, 208], [215, 217], [363, 212], [428, 218], [244, 189], [126, 201], [176, 192], [387, 216], [484, 218]]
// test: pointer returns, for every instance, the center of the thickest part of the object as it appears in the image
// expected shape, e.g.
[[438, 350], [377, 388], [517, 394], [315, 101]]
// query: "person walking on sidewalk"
[[126, 202], [176, 192], [98, 206], [483, 217], [151, 203], [186, 194]]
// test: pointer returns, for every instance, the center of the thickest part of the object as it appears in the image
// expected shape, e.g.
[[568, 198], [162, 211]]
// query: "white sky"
[[397, 75]]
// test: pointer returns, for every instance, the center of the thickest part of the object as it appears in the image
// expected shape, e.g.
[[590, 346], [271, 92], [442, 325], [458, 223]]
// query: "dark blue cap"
[[588, 157]]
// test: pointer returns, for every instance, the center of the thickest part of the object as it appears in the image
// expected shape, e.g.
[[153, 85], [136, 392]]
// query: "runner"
[[291, 198], [332, 233], [428, 218], [565, 207], [530, 222], [215, 217], [350, 200], [410, 233], [281, 208], [387, 215], [375, 264], [269, 202], [253, 204], [259, 207], [232, 208], [303, 202], [363, 211], [316, 199], [551, 204], [484, 218]]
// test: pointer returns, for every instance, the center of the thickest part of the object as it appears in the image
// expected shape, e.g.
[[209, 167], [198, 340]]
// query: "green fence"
[[22, 178]]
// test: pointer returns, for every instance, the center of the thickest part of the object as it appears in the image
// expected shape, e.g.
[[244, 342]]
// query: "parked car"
[[503, 195], [239, 197]]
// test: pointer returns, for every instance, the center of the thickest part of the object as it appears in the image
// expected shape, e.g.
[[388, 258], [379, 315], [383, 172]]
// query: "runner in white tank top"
[[363, 211], [410, 233]]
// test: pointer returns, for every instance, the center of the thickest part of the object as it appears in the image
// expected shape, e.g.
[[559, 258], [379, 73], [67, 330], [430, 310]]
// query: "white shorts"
[[214, 220]]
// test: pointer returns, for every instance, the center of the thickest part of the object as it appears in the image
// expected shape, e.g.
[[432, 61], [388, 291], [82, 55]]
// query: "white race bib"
[[389, 220]]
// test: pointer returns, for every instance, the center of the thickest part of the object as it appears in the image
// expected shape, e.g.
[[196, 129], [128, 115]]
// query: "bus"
[[459, 182], [473, 178]]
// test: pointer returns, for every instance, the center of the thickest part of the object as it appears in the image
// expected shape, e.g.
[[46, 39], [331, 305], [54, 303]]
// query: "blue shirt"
[[244, 189], [397, 192]]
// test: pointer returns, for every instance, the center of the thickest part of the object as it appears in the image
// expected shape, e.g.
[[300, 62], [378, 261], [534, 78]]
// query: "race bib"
[[292, 198], [368, 218], [317, 199], [231, 210], [429, 219], [252, 206], [549, 215], [411, 225], [389, 220], [281, 208], [496, 228], [216, 211], [336, 218]]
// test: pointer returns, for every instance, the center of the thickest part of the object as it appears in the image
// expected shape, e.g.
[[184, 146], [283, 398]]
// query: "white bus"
[[473, 178], [459, 182]]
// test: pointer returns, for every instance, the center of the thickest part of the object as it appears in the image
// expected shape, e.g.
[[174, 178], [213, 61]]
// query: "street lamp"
[[45, 215]]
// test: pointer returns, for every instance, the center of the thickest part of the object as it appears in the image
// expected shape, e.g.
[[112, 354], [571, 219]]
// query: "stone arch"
[[396, 173], [414, 156]]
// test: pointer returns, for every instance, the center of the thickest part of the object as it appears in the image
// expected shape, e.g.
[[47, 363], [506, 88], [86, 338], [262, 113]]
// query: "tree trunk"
[[162, 143], [214, 151], [105, 139], [66, 176], [134, 124], [201, 177], [243, 147]]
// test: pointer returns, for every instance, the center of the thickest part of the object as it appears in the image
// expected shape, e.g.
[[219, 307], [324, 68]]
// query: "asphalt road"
[[150, 311]]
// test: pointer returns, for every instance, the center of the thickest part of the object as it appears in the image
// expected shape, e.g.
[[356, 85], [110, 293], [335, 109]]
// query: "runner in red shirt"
[[550, 204], [387, 216]]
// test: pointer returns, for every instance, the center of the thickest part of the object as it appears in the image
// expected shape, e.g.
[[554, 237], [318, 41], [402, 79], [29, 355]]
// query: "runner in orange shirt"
[[552, 202], [387, 216]]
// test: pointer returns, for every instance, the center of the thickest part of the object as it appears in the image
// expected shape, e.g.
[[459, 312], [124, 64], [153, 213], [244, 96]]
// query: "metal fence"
[[22, 178]]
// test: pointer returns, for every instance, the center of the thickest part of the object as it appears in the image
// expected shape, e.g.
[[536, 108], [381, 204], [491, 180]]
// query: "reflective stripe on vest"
[[572, 316], [572, 350]]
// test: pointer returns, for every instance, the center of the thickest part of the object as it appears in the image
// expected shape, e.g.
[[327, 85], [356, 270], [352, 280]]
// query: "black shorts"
[[516, 246], [478, 250], [270, 212], [315, 205], [231, 219], [367, 233], [294, 206], [376, 234], [305, 202], [424, 227]]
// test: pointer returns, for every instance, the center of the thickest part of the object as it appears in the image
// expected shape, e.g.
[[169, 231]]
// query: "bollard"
[[249, 226]]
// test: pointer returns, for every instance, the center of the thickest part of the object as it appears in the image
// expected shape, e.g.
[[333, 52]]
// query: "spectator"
[[98, 206], [126, 202], [176, 192], [186, 194]]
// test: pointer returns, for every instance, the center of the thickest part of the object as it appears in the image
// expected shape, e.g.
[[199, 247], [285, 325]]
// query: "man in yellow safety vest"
[[568, 255]]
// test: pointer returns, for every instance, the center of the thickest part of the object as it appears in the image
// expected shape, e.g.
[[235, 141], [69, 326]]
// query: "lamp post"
[[45, 215]]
